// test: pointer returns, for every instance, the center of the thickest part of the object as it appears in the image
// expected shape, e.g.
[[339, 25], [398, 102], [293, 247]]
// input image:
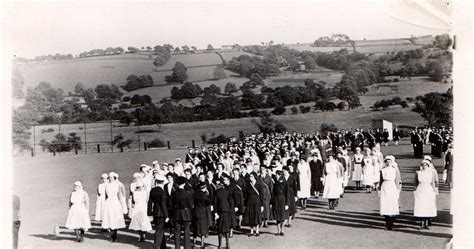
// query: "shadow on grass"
[[404, 223]]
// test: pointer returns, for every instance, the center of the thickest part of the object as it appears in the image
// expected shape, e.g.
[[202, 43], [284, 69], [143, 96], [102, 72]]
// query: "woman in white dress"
[[389, 191], [368, 171], [332, 181], [378, 164], [140, 221], [113, 215], [425, 194], [78, 216], [357, 161], [137, 177], [99, 204], [305, 181]]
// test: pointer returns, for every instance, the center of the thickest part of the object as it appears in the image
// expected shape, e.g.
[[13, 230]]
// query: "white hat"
[[78, 183], [155, 162], [105, 175], [137, 174], [160, 178], [139, 184], [428, 158]]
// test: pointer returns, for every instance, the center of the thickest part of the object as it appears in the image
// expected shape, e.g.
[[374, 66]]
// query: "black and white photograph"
[[237, 124]]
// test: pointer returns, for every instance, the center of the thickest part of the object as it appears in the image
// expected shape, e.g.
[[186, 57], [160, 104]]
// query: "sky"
[[39, 28]]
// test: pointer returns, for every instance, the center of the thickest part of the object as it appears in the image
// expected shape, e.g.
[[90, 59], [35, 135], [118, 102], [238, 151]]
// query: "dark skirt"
[[224, 223], [266, 204], [253, 216], [201, 226], [316, 184], [292, 203], [278, 209]]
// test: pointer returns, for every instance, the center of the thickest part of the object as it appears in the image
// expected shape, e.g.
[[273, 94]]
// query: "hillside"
[[379, 46], [114, 69]]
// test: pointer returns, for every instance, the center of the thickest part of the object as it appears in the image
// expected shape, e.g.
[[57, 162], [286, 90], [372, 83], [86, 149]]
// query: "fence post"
[[144, 146], [121, 148], [168, 143], [32, 152], [54, 151], [75, 149], [193, 143], [98, 148]]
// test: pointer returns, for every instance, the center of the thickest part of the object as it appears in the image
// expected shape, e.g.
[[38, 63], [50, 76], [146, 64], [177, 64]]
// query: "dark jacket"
[[223, 201], [201, 203], [183, 203], [157, 203]]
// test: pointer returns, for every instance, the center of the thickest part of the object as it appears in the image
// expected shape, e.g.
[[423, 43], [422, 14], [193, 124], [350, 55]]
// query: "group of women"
[[248, 182]]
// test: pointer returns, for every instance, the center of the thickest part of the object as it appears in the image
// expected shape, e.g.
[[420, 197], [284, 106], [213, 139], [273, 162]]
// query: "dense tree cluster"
[[246, 65], [136, 82], [179, 73], [187, 91], [436, 108], [336, 40], [161, 55]]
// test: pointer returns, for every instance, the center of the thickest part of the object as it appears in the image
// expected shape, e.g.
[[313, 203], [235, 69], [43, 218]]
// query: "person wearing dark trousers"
[[417, 143], [182, 204], [158, 209]]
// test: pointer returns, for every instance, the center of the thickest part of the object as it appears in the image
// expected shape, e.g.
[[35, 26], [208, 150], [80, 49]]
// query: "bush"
[[156, 143], [146, 131], [404, 104], [396, 100], [279, 110], [124, 143], [279, 128], [294, 110], [254, 113], [219, 139], [396, 80], [325, 128], [409, 99], [49, 130], [305, 109]]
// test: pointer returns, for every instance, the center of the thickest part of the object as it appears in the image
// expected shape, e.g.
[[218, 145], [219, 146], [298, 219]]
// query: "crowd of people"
[[249, 182]]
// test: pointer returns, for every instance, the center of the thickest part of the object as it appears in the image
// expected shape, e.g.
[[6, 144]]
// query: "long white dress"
[[100, 202], [425, 195], [113, 215], [389, 192], [332, 181], [78, 215], [140, 220], [377, 167], [368, 172], [305, 180], [357, 172]]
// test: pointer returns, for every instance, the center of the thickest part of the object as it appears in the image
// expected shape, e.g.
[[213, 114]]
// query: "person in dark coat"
[[169, 189], [182, 204], [385, 135], [224, 207], [280, 201], [292, 190], [267, 183], [316, 166], [157, 207], [239, 183], [417, 143], [202, 202], [395, 135], [238, 204], [253, 196]]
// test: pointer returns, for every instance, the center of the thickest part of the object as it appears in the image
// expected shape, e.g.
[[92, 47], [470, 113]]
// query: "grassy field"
[[406, 88], [44, 183], [115, 69], [297, 79], [181, 134]]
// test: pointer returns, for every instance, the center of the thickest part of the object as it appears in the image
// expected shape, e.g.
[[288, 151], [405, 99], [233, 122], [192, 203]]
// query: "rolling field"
[[297, 79], [356, 223], [416, 87], [115, 69]]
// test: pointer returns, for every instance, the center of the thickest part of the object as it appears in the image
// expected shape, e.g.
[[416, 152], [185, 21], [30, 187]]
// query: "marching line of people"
[[247, 182]]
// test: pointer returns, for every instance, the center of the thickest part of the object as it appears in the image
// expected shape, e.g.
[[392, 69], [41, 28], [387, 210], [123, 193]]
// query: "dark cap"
[[181, 180]]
